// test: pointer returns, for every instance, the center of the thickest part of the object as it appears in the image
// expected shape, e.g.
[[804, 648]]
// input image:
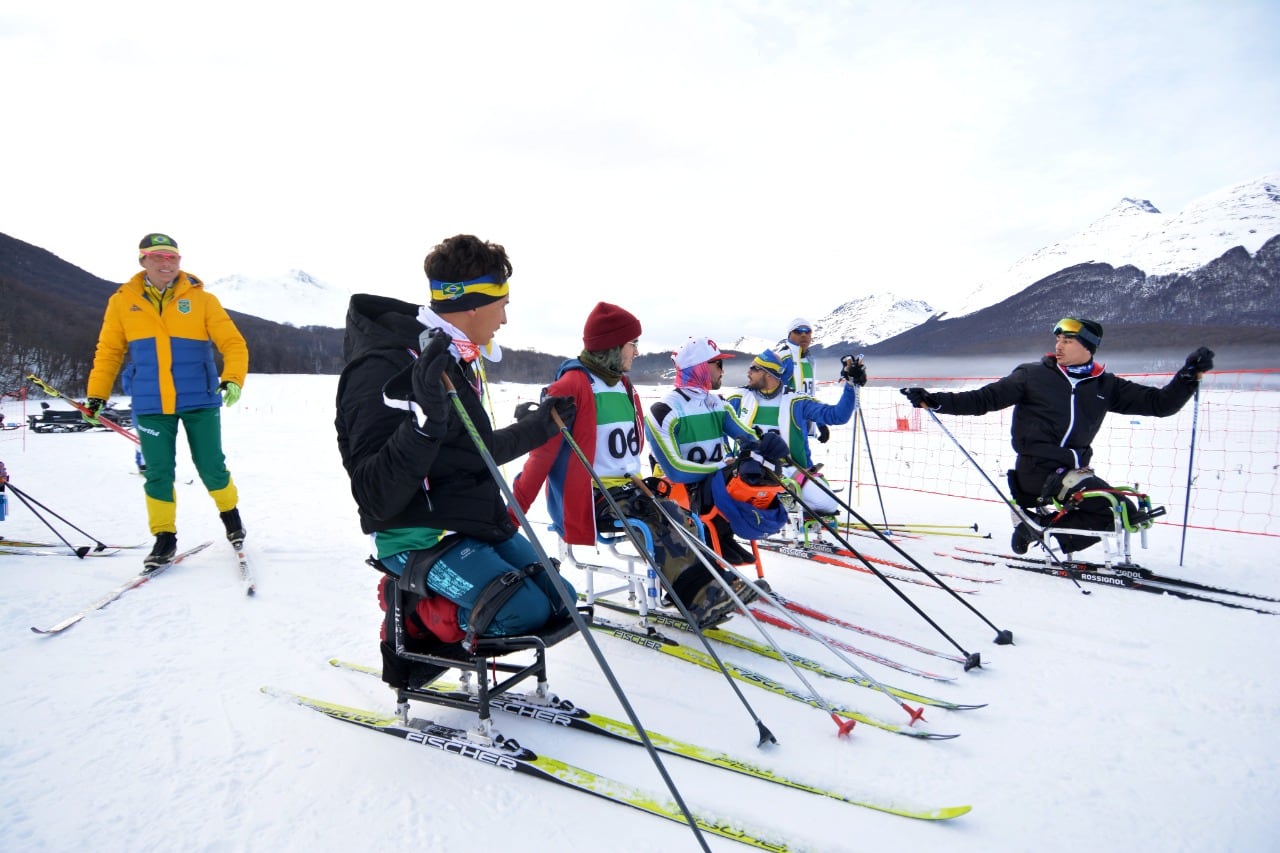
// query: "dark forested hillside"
[[50, 312], [1233, 301]]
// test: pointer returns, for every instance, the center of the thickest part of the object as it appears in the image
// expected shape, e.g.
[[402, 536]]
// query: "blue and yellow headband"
[[465, 295]]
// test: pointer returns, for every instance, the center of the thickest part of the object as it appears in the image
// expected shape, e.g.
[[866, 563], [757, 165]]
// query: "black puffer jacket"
[[400, 477], [1054, 423]]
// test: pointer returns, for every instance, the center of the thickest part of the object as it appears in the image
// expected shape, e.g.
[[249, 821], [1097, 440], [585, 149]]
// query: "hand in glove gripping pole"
[[94, 405], [1198, 363], [565, 407], [429, 393], [754, 455], [772, 447], [853, 370], [920, 398]]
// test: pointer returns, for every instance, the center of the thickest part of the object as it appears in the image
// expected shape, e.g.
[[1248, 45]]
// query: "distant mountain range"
[[1161, 256], [51, 310], [1231, 304], [1210, 273], [295, 298], [1158, 283], [1135, 233]]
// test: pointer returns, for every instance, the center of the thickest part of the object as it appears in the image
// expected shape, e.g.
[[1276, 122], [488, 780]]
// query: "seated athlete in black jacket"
[[1058, 406], [416, 474]]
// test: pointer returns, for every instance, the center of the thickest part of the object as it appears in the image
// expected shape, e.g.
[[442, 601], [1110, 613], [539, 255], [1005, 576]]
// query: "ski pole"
[[866, 436], [857, 414], [853, 454], [98, 543], [1186, 506], [766, 736], [20, 495], [1004, 636], [923, 524], [972, 659], [843, 726], [83, 409], [570, 604], [767, 594], [916, 531], [1008, 501]]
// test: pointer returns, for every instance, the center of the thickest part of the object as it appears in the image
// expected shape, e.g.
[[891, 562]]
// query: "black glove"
[[565, 407], [772, 447], [1199, 362], [852, 369], [920, 398], [523, 410], [428, 383], [94, 405], [824, 434], [1052, 486]]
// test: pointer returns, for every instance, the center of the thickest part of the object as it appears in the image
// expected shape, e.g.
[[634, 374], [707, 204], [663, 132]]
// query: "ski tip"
[[947, 812]]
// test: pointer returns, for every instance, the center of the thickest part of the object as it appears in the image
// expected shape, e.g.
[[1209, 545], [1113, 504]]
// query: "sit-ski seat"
[[1131, 512], [639, 577], [477, 657]]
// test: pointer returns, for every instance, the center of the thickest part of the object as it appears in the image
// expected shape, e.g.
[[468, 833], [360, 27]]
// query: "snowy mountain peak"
[[870, 319], [751, 344], [1141, 204], [296, 298], [858, 322], [1135, 232]]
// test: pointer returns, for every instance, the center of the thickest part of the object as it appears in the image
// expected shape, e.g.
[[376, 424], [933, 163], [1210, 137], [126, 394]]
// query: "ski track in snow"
[[1119, 721]]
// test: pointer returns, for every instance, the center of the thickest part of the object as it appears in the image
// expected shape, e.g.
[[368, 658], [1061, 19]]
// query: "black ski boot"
[[235, 530], [162, 553], [1023, 536]]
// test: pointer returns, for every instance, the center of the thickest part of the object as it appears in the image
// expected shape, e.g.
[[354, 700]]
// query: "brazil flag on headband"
[[450, 291]]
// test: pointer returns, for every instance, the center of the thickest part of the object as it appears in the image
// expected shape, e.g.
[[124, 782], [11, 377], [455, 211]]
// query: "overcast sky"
[[715, 167]]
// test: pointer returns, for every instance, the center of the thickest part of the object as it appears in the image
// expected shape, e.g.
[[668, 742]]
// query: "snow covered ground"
[[1119, 721]]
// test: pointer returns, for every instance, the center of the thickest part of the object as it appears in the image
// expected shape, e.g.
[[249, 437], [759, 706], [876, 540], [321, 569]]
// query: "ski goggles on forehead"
[[1073, 328], [1068, 326]]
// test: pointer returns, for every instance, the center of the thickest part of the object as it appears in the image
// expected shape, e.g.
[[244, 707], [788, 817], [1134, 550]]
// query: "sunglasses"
[[162, 256], [802, 330], [718, 362]]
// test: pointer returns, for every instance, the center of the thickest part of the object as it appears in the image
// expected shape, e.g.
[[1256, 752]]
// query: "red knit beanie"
[[609, 326]]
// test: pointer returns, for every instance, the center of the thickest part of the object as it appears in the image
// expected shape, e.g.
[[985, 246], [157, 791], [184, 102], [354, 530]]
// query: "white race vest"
[[617, 441]]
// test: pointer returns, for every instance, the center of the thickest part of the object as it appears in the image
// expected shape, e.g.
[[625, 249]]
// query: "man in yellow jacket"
[[168, 325]]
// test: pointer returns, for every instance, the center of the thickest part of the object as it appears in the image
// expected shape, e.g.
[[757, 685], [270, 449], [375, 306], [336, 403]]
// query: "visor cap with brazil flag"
[[157, 243]]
